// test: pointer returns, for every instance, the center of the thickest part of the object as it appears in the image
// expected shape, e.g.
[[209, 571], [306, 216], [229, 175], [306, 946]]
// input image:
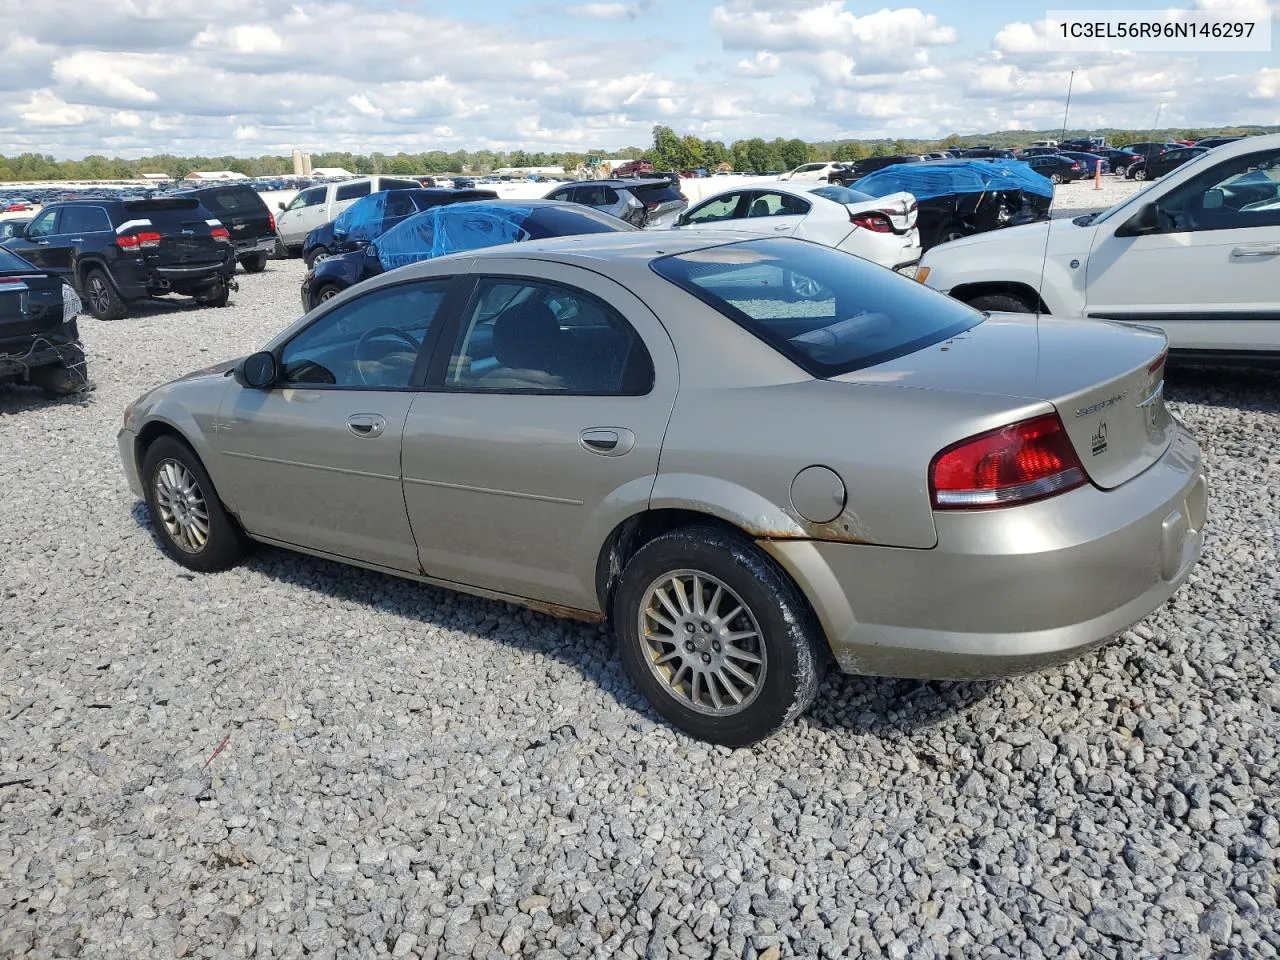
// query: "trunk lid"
[[1105, 380], [31, 302], [900, 209], [186, 231]]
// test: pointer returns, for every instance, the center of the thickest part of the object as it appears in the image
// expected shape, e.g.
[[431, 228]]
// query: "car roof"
[[619, 182]]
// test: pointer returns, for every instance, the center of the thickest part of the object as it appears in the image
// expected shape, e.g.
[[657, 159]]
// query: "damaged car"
[[39, 339], [960, 198]]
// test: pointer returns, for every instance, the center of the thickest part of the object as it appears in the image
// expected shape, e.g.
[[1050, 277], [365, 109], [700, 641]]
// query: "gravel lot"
[[297, 758]]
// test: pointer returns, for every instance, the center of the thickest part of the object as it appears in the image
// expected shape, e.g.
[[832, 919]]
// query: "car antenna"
[[1048, 225]]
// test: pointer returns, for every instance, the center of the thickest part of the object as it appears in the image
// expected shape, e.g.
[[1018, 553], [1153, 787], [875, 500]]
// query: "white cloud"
[[46, 109], [763, 64], [245, 133], [112, 76], [609, 11]]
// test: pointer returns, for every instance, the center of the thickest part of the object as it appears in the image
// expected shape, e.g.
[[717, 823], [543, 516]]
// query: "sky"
[[129, 78]]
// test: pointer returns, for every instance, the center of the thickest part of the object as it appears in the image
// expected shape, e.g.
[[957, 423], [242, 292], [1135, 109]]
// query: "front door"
[[772, 213], [315, 461], [303, 214], [1209, 275], [540, 432], [35, 245]]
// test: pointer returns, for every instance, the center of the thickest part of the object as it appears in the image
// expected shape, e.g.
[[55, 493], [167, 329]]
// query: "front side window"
[[307, 198], [777, 205], [362, 218], [560, 195], [350, 191], [1238, 193], [715, 210], [42, 226], [371, 341], [529, 336], [829, 312]]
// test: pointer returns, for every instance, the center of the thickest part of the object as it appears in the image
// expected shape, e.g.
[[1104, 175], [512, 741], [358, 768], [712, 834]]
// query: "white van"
[[316, 206]]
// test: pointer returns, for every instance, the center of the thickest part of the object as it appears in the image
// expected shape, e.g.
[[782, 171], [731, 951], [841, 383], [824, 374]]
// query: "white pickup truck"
[[1196, 253], [316, 206]]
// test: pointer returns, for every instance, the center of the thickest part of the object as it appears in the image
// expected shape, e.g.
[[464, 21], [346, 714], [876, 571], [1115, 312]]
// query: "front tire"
[[318, 255], [1002, 303], [1055, 178], [254, 262], [1120, 171], [718, 638], [101, 297], [1140, 173], [193, 527]]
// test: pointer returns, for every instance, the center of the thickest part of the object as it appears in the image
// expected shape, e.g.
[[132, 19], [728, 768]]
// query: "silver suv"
[[644, 202]]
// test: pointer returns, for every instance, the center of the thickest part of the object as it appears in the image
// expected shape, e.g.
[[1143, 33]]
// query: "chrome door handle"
[[607, 441], [77, 239], [366, 424], [42, 243], [780, 229], [1257, 250]]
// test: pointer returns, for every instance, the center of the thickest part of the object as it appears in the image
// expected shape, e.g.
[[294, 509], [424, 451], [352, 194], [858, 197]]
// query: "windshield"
[[828, 311], [1134, 200]]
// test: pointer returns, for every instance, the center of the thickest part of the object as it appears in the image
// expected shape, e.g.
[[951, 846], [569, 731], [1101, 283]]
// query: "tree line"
[[669, 151]]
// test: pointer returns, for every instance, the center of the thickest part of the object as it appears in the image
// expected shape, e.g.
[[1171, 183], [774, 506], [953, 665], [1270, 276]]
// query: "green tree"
[[794, 153], [570, 162]]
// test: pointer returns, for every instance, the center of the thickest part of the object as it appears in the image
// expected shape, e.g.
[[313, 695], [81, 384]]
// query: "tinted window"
[[42, 226], [84, 220], [777, 205], [307, 198], [528, 336], [715, 209], [545, 222], [385, 184], [371, 341], [596, 195], [230, 201], [1238, 193], [349, 191], [400, 204], [828, 311], [562, 194], [662, 191], [11, 261], [842, 194]]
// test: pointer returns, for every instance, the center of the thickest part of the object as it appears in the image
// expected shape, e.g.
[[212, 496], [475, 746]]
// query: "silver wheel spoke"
[[183, 512], [691, 651]]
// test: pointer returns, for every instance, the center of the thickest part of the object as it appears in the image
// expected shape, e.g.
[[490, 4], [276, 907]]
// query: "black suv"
[[846, 175], [39, 340], [114, 251], [242, 211]]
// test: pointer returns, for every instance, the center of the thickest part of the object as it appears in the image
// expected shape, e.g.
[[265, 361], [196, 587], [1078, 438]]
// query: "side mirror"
[[280, 204], [257, 371], [1145, 221]]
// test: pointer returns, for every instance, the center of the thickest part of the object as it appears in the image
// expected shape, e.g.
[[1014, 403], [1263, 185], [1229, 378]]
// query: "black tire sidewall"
[[254, 262], [115, 305], [226, 544], [790, 633]]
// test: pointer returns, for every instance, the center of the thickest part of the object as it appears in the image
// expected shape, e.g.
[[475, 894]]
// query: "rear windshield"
[[232, 201], [842, 194], [829, 311], [162, 203], [660, 191], [11, 261], [556, 221]]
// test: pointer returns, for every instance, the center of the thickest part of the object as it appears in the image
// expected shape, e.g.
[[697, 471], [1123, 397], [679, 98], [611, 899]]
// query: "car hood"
[[208, 373], [1065, 238]]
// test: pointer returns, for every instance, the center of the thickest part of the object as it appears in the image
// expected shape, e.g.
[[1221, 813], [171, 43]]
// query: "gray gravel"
[[296, 758]]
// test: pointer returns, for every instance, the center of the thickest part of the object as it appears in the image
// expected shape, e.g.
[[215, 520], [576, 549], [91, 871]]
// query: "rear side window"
[[349, 191], [84, 220], [829, 312], [597, 195]]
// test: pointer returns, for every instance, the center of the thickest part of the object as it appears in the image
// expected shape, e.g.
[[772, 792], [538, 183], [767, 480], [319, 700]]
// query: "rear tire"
[[1140, 173], [774, 626], [100, 296], [254, 262], [67, 379], [193, 527], [1002, 303], [1055, 178], [1120, 171]]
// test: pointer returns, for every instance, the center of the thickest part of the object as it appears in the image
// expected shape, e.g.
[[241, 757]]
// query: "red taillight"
[[221, 233], [271, 221], [875, 222], [10, 279], [1075, 166], [134, 241], [1158, 362], [1016, 464]]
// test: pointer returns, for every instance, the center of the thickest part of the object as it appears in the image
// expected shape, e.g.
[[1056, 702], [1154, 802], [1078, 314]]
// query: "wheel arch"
[[1010, 288]]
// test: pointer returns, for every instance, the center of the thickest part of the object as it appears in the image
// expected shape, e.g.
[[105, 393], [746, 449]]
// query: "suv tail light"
[[1015, 464], [271, 221], [221, 233], [875, 222], [133, 241], [1075, 165]]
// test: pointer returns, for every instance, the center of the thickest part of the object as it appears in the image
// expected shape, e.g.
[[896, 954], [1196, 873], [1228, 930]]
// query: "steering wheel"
[[368, 336]]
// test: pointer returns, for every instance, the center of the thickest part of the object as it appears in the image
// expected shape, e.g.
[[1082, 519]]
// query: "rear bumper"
[[58, 348], [259, 245], [135, 280], [1014, 590]]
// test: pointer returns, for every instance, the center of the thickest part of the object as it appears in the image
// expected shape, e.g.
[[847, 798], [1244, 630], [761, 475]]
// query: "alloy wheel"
[[184, 514], [328, 294], [99, 295], [702, 642]]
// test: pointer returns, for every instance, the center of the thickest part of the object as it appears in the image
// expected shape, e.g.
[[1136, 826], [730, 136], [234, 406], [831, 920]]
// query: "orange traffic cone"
[[1097, 175]]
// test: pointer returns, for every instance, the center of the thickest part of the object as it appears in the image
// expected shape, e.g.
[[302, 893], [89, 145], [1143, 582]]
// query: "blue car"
[[1089, 161], [454, 228]]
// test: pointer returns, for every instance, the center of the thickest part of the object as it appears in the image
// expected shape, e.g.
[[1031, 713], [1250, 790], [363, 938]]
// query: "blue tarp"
[[449, 229], [937, 178], [363, 219]]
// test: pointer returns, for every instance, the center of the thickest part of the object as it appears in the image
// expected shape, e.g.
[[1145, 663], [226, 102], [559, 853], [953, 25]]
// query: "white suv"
[[1197, 253], [811, 171]]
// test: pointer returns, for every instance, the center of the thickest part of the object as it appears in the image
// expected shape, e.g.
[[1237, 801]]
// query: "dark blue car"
[[373, 215], [453, 228]]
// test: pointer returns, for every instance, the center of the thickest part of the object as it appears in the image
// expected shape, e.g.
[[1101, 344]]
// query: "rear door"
[[540, 433], [344, 195], [1209, 276], [82, 227]]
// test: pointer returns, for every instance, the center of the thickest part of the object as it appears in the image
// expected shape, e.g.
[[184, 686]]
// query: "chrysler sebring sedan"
[[656, 429]]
